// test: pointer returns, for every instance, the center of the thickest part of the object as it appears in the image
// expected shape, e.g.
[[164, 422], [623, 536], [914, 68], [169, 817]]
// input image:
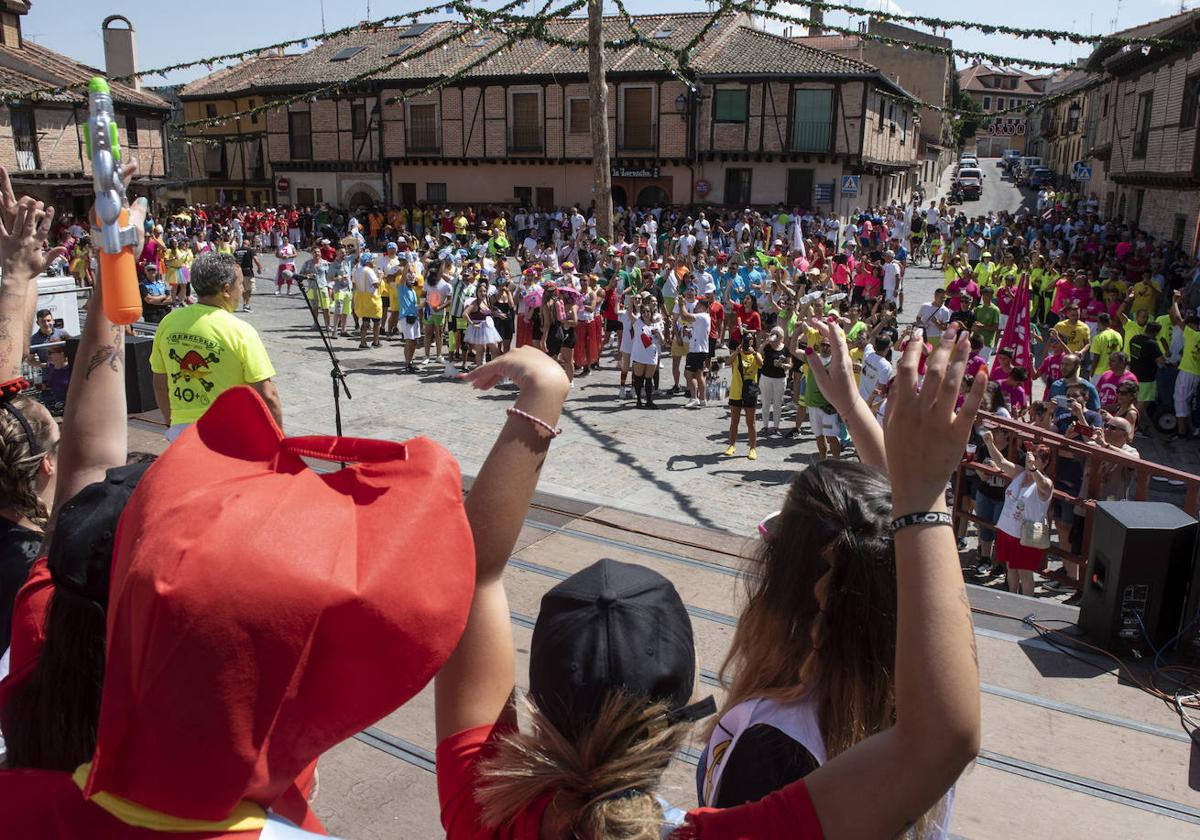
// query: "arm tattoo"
[[112, 354]]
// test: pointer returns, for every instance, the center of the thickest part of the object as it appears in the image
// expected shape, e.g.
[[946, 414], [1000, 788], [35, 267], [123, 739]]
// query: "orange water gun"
[[110, 224]]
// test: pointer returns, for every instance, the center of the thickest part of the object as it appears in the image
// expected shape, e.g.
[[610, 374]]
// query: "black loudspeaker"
[[139, 379], [1189, 631], [1137, 575]]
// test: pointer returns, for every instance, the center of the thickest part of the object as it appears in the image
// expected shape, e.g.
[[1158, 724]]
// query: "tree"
[[968, 118]]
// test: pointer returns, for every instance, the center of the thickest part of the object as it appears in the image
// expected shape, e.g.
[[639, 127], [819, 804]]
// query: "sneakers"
[[692, 403], [753, 455], [731, 451], [704, 403], [276, 293], [792, 432], [247, 308]]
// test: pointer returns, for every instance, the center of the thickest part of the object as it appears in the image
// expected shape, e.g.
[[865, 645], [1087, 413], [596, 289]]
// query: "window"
[[416, 30], [525, 121], [664, 32], [131, 134], [882, 109], [1141, 131], [1191, 90], [578, 116], [731, 105], [523, 196], [300, 135], [987, 103], [1139, 199], [799, 188], [545, 198], [637, 130], [812, 120], [255, 163], [737, 186], [347, 53], [1177, 229], [358, 120], [399, 51], [904, 126], [1104, 108], [24, 139], [422, 128], [214, 161], [210, 110], [435, 193], [253, 117], [408, 193]]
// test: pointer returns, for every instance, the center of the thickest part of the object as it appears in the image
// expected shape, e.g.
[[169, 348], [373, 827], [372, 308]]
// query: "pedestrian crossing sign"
[[850, 184]]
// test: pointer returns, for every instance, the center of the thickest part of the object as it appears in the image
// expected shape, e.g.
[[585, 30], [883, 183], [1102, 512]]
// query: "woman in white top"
[[647, 339], [626, 316], [1027, 499]]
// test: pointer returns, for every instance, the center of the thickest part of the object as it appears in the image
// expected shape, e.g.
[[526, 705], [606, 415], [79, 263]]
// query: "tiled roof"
[[1027, 84], [730, 48], [754, 52], [32, 66], [247, 75], [1165, 27]]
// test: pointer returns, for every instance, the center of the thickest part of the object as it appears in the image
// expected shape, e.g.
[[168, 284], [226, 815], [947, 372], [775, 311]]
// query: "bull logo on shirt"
[[194, 367]]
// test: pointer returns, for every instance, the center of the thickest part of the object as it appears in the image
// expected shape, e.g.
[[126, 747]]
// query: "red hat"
[[255, 617], [722, 257]]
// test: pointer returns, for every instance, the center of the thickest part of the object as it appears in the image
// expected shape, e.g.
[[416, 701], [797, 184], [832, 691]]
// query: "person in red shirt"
[[604, 726]]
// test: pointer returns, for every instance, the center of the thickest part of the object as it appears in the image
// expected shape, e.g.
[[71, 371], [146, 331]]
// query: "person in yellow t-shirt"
[[984, 270], [1145, 296], [460, 227], [203, 350], [1189, 367], [1073, 332], [1106, 342]]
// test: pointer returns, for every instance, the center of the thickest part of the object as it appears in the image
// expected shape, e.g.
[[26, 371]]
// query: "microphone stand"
[[335, 371]]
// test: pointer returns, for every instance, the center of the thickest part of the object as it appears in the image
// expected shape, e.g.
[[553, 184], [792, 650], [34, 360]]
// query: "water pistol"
[[110, 223]]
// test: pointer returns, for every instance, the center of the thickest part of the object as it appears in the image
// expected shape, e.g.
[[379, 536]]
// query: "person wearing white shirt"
[[686, 243], [877, 368], [934, 317], [701, 230], [891, 276], [649, 229], [577, 222]]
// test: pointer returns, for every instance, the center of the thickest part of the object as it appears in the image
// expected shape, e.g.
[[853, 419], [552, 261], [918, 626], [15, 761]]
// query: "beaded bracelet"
[[516, 412], [928, 518]]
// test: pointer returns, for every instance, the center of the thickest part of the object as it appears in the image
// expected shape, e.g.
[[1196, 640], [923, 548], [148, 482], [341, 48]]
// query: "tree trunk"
[[602, 175]]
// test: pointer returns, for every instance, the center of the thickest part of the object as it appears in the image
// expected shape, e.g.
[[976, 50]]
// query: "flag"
[[1016, 333]]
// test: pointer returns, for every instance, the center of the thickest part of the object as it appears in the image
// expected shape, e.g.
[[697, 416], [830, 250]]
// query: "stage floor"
[[1070, 750]]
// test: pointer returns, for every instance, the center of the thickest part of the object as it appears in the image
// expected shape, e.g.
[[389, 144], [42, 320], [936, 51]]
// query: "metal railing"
[[1142, 473]]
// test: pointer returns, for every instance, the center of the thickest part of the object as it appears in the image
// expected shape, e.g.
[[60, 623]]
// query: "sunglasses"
[[1113, 427]]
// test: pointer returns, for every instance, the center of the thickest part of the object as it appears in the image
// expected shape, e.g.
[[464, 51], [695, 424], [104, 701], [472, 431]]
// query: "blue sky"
[[198, 29]]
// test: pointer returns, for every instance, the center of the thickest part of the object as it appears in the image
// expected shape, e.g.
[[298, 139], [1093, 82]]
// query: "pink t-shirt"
[[1108, 384]]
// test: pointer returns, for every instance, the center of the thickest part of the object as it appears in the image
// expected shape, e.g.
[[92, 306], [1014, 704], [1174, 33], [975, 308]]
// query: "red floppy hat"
[[261, 612]]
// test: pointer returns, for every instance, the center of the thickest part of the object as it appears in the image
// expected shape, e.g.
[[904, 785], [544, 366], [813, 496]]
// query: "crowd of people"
[[179, 653]]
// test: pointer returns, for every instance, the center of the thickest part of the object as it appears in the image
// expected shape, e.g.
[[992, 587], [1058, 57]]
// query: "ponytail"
[[602, 782]]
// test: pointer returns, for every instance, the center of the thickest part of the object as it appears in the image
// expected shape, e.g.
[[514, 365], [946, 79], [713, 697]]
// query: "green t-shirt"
[[813, 398], [204, 351], [987, 316], [1190, 362], [1105, 343], [856, 330]]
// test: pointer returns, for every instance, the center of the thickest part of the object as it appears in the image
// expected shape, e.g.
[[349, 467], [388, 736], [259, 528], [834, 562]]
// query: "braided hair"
[[21, 458]]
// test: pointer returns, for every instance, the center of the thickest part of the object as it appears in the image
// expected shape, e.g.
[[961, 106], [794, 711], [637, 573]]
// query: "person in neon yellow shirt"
[[984, 270], [1144, 296], [1189, 367], [1106, 342], [203, 350]]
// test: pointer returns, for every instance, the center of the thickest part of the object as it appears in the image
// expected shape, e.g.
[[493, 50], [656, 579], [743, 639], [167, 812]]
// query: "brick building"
[[41, 136], [996, 89], [228, 163], [1147, 125], [928, 76], [769, 120]]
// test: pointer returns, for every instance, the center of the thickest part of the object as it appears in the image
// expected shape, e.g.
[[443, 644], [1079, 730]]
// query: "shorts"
[[1185, 387], [695, 362], [343, 302], [1147, 392], [611, 326], [824, 421], [436, 319], [410, 332], [461, 323], [322, 298], [557, 341], [1017, 557]]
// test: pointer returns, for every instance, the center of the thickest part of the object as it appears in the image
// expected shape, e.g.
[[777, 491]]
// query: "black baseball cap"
[[612, 625], [80, 555]]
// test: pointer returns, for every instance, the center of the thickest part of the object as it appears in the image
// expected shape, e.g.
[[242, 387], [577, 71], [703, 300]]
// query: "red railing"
[[1021, 433]]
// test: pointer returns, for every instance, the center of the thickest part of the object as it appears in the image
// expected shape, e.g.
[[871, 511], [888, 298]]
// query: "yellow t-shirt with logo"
[[1105, 343], [204, 351], [1131, 328], [1075, 337], [1144, 296], [1190, 361]]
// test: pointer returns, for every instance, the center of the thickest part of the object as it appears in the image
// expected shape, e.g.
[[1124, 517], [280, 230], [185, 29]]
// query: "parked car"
[[1041, 177], [970, 180], [968, 160]]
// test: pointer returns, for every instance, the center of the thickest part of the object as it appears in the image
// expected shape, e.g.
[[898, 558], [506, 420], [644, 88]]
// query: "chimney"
[[816, 21], [120, 54]]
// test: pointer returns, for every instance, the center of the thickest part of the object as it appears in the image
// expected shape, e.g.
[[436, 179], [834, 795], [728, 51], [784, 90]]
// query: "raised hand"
[[22, 236], [525, 366], [925, 436]]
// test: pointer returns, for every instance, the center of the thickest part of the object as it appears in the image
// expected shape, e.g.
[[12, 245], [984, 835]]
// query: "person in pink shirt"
[[1123, 248], [962, 293], [1013, 388], [1092, 311], [1051, 366], [1112, 379], [976, 362], [1002, 366]]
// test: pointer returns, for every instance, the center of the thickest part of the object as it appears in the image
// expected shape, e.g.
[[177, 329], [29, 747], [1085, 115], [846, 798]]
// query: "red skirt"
[[1011, 553], [524, 332]]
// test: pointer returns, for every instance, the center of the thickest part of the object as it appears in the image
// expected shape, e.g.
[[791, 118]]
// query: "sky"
[[172, 31]]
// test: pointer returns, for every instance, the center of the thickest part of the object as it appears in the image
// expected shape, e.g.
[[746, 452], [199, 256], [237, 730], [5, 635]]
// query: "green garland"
[[1052, 35]]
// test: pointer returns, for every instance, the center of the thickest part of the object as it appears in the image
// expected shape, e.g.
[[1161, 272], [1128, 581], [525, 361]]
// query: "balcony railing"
[[811, 135]]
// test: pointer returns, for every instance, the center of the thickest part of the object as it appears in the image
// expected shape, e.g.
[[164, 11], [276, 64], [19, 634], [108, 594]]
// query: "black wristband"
[[928, 518]]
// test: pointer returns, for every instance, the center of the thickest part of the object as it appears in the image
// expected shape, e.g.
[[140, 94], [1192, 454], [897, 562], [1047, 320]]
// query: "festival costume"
[[245, 632]]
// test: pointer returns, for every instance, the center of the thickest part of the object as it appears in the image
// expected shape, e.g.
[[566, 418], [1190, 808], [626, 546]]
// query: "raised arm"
[[474, 686], [1176, 315], [836, 381], [1002, 463], [95, 435]]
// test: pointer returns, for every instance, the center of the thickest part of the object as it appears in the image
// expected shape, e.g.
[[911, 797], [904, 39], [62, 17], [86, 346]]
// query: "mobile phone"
[[1062, 400]]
